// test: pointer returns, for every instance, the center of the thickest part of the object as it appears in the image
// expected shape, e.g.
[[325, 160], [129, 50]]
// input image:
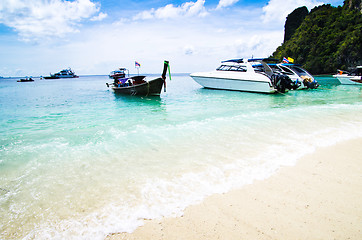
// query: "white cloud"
[[100, 17], [258, 45], [34, 19], [187, 9], [185, 44], [277, 10], [185, 39], [226, 3]]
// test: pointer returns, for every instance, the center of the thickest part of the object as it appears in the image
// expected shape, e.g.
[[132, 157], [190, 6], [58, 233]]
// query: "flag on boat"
[[137, 64], [285, 60], [291, 60]]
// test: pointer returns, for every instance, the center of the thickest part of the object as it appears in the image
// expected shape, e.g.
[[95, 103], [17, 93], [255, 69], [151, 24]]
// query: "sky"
[[39, 37]]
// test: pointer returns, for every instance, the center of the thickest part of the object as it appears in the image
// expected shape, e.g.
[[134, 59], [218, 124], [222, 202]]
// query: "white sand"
[[320, 198]]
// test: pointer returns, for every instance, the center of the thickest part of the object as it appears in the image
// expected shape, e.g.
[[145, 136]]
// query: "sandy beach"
[[319, 198]]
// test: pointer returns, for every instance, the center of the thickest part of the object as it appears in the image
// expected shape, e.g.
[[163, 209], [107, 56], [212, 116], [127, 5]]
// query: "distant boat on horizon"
[[119, 73], [26, 80], [65, 73]]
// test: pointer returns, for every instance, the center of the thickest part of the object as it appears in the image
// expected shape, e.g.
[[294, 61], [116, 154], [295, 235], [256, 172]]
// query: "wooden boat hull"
[[152, 87]]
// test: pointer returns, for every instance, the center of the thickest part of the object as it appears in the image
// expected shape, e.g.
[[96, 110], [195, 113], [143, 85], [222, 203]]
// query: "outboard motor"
[[296, 85], [282, 82], [310, 84]]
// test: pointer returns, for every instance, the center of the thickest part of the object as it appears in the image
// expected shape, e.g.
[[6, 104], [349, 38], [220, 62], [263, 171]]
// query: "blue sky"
[[97, 36]]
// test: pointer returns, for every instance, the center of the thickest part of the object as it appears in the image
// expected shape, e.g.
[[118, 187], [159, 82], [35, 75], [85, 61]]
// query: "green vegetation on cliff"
[[327, 39]]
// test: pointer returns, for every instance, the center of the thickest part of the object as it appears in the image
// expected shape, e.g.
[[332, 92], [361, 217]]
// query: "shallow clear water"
[[79, 162]]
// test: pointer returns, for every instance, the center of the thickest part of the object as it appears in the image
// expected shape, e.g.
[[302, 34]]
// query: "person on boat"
[[309, 83], [121, 82]]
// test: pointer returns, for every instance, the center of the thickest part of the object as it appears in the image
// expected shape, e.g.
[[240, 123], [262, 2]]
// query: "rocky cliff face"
[[293, 21]]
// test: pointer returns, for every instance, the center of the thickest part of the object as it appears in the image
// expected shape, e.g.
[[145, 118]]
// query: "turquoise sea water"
[[78, 161]]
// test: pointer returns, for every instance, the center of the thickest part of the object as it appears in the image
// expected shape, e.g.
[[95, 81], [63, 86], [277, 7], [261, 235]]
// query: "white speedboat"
[[119, 73], [66, 73], [252, 75], [301, 77], [353, 78]]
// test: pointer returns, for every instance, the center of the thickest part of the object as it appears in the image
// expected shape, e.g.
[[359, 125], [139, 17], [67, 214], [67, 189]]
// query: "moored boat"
[[302, 78], [350, 78], [139, 85], [252, 75], [119, 73], [65, 73], [26, 80]]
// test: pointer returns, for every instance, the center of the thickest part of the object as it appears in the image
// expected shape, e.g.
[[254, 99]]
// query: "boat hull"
[[349, 80], [234, 84], [25, 80], [152, 87], [58, 77], [357, 80]]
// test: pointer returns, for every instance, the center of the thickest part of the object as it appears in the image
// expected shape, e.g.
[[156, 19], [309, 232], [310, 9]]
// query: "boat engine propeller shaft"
[[282, 83]]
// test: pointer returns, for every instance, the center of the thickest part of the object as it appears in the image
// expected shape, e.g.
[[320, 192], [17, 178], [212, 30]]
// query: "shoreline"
[[318, 198]]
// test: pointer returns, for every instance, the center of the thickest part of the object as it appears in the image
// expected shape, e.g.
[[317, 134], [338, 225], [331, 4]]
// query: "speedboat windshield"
[[285, 70], [237, 68], [258, 68], [300, 71]]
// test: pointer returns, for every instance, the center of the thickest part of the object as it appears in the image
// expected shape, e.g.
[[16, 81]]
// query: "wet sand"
[[319, 198]]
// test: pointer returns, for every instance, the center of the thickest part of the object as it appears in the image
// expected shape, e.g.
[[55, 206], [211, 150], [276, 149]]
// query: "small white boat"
[[65, 73], [353, 78], [252, 75], [119, 73], [297, 74]]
